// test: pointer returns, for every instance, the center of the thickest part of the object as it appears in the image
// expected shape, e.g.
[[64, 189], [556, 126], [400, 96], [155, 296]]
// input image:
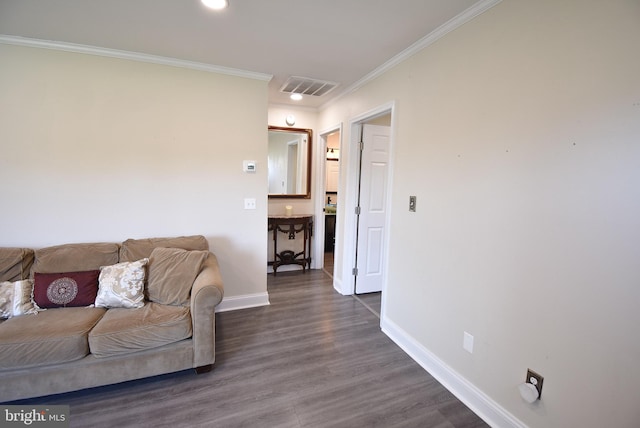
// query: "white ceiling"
[[336, 40]]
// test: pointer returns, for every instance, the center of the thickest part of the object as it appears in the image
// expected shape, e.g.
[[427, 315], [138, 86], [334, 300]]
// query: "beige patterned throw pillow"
[[16, 298], [122, 285]]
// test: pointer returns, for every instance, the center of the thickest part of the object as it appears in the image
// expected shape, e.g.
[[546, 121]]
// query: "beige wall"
[[519, 133], [101, 149]]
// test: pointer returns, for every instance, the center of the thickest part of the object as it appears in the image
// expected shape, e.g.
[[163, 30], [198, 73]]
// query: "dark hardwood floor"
[[313, 358], [372, 301], [328, 262]]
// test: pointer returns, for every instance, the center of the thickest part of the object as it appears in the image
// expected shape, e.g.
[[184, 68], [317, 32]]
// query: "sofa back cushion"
[[171, 274], [136, 249], [15, 263], [74, 257]]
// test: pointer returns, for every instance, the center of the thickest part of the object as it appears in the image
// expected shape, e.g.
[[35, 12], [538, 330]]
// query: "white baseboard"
[[487, 409], [243, 302], [337, 285]]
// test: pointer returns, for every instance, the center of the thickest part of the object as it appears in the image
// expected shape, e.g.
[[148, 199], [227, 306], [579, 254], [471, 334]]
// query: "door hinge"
[[357, 210], [354, 271], [361, 144]]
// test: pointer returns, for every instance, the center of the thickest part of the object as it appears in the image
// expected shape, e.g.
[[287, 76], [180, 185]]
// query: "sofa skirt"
[[90, 371]]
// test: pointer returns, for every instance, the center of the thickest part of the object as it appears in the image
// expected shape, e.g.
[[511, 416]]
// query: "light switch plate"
[[249, 166]]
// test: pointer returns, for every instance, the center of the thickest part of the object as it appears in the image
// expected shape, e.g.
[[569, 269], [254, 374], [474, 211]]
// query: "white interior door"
[[374, 178], [333, 172]]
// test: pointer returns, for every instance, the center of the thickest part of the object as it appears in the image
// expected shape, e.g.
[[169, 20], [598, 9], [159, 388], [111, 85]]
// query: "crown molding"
[[131, 56], [428, 40], [293, 107]]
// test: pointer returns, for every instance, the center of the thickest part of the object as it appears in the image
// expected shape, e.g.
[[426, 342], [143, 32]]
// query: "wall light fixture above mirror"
[[289, 162]]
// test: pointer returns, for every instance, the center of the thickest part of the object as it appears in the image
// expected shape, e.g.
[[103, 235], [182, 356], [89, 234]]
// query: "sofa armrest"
[[206, 294]]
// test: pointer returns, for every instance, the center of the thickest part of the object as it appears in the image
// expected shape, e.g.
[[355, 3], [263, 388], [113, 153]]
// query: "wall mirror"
[[289, 162]]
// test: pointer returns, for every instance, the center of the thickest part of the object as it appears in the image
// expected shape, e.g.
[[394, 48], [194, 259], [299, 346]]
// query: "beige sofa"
[[64, 349]]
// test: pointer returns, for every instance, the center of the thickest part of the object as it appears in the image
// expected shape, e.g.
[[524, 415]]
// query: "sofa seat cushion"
[[124, 330], [49, 337]]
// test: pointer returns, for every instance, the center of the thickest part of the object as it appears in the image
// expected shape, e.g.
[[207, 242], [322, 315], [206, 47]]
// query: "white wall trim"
[[346, 238], [245, 301], [337, 285], [418, 46], [321, 187], [132, 56], [375, 112], [481, 404], [293, 107]]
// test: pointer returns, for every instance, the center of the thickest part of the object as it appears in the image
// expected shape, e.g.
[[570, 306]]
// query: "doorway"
[[332, 178], [373, 194], [371, 211], [353, 261]]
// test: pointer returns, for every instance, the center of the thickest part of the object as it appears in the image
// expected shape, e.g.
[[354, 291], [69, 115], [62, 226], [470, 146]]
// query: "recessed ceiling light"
[[216, 4], [296, 97]]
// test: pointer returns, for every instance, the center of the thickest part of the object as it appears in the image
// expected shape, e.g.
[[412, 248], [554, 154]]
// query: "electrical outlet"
[[467, 342], [249, 203], [536, 380]]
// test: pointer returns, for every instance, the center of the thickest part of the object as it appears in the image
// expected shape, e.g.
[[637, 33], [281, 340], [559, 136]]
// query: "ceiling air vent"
[[306, 86]]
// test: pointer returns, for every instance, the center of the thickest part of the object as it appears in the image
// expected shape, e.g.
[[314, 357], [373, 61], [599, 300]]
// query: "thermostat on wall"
[[249, 166]]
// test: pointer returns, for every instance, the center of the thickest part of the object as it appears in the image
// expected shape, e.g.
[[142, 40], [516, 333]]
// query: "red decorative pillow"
[[56, 290]]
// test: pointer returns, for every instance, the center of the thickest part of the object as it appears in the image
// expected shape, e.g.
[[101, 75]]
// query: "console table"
[[290, 226]]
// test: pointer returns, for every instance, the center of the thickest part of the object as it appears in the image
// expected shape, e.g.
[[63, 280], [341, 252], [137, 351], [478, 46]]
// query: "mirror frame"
[[309, 150]]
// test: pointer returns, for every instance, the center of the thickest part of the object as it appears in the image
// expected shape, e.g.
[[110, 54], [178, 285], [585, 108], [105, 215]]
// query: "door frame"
[[346, 240], [320, 188]]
